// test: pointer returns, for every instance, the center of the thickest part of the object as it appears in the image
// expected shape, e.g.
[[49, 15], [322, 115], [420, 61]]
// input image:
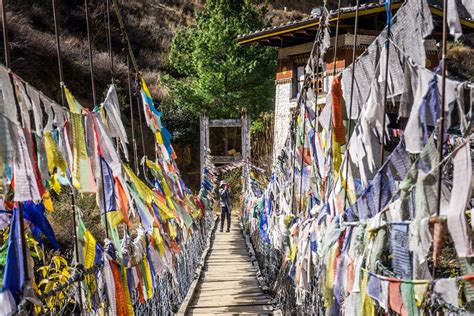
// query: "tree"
[[213, 74]]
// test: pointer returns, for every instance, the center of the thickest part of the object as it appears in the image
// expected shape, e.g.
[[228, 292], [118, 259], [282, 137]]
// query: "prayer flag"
[[108, 187], [14, 275]]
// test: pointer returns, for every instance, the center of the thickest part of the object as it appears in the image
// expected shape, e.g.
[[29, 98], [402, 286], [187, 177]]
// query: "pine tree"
[[213, 74]]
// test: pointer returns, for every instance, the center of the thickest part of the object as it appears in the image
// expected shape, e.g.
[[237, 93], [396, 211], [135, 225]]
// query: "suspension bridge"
[[357, 218]]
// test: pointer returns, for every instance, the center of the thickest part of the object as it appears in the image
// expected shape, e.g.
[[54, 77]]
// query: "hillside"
[[150, 24]]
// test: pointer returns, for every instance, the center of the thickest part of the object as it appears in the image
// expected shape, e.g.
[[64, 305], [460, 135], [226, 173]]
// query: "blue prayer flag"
[[108, 186], [40, 224], [14, 276]]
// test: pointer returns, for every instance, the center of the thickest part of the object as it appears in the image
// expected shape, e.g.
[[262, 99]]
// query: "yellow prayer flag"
[[143, 190], [74, 106], [89, 249], [148, 279], [367, 305], [54, 183], [53, 155], [127, 292], [159, 138], [173, 233], [330, 275], [158, 241], [420, 293], [47, 202], [114, 218], [336, 156], [145, 88]]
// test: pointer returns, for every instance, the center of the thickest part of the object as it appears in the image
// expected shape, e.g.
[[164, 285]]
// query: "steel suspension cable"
[[109, 41], [123, 31], [351, 103], [58, 51], [130, 101], [111, 56], [443, 104], [142, 131], [91, 62], [133, 61], [6, 46], [441, 126], [334, 61], [336, 39], [61, 87], [384, 102], [94, 97], [315, 70]]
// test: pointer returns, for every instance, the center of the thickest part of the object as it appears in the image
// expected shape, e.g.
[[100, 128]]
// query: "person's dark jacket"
[[226, 197]]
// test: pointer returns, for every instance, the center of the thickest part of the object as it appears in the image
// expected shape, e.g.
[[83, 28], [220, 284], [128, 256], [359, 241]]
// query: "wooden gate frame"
[[205, 124]]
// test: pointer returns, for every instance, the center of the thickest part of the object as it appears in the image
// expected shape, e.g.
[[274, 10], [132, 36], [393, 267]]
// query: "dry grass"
[[151, 26]]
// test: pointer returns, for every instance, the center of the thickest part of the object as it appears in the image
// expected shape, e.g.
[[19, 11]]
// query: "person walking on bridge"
[[226, 204]]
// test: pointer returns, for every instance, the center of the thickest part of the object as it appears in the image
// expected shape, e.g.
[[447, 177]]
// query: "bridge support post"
[[203, 139], [245, 149]]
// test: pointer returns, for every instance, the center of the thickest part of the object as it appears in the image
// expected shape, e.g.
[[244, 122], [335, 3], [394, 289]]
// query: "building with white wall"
[[294, 41]]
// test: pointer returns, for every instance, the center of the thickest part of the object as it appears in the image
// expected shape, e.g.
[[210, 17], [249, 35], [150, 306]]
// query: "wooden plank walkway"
[[228, 284]]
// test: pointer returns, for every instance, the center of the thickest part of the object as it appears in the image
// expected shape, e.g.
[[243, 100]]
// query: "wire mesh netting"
[[170, 288]]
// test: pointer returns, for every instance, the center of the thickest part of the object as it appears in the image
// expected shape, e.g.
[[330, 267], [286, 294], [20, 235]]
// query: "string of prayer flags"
[[370, 242], [75, 148]]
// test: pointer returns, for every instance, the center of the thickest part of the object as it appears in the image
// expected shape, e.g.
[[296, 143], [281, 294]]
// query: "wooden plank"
[[254, 310], [228, 301], [235, 268], [240, 309], [239, 269], [233, 284], [198, 312], [231, 290], [225, 123], [226, 159], [238, 298], [238, 260]]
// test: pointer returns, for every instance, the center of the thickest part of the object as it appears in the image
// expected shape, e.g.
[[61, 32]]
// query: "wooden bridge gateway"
[[228, 283]]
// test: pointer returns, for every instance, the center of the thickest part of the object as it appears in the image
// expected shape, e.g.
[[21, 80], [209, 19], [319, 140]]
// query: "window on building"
[[298, 80], [300, 72], [318, 83]]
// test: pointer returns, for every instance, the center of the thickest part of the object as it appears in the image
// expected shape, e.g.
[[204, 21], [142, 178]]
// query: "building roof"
[[371, 17]]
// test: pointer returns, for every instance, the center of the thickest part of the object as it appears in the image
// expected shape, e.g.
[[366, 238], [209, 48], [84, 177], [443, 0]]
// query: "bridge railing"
[[174, 285]]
